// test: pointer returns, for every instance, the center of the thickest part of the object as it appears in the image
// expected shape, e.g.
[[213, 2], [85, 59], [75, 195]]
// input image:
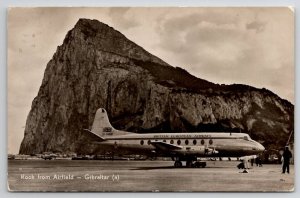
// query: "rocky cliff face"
[[97, 66]]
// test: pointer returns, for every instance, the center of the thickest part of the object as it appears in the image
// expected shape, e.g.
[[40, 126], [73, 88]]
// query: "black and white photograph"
[[150, 99]]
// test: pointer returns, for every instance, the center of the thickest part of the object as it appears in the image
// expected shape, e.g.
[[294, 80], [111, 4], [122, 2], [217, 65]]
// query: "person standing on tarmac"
[[287, 155]]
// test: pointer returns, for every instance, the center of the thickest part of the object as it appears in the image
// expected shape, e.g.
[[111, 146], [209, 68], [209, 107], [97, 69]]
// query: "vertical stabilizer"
[[102, 126]]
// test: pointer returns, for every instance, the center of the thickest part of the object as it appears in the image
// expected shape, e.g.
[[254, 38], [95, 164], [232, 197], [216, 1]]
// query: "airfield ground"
[[70, 175]]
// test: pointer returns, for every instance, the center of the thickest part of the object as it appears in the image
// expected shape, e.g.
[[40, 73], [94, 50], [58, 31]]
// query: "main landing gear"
[[190, 164]]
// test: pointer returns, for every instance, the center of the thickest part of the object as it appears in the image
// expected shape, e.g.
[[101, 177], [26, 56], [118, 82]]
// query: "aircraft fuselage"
[[195, 144]]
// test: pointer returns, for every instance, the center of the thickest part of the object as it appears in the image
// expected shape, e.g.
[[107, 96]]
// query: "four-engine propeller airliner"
[[179, 146]]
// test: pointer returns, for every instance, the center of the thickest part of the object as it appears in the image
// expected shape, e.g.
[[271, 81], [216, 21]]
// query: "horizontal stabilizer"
[[94, 136], [165, 146]]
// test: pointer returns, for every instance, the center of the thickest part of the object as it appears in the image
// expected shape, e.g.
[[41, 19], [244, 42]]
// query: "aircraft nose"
[[260, 147]]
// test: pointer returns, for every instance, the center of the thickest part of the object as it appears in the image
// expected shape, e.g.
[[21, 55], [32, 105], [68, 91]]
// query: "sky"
[[253, 46]]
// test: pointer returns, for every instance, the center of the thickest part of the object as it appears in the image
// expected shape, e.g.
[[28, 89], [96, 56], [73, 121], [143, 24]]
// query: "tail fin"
[[102, 127]]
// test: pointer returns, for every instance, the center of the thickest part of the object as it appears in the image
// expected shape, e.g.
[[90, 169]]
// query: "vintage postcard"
[[151, 99]]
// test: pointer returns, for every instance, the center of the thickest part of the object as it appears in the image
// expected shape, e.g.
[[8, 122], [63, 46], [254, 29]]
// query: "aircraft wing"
[[165, 146]]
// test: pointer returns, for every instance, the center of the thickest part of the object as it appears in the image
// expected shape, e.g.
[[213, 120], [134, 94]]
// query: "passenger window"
[[210, 141], [194, 142], [149, 142], [202, 142], [164, 141], [142, 142], [245, 138], [186, 142], [178, 142], [172, 142]]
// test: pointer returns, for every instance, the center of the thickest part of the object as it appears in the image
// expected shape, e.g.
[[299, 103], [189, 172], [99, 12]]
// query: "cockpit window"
[[247, 137]]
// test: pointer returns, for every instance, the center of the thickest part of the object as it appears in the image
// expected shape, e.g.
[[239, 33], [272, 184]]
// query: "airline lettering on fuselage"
[[181, 136]]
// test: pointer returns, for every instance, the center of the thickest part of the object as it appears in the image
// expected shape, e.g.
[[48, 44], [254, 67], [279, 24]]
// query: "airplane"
[[179, 146]]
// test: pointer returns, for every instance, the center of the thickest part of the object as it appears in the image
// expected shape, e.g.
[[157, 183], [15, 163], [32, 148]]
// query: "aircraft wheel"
[[178, 164]]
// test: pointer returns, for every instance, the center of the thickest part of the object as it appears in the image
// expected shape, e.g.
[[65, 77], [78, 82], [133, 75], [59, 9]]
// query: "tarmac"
[[144, 176]]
